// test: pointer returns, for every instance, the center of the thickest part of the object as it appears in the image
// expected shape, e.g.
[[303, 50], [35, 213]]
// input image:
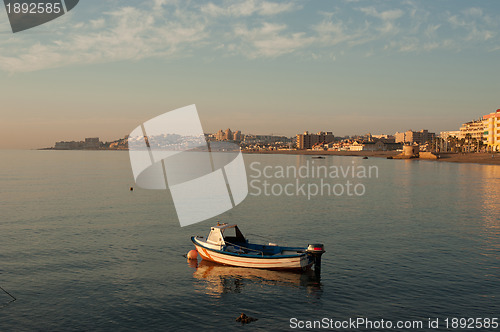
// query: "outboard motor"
[[316, 250]]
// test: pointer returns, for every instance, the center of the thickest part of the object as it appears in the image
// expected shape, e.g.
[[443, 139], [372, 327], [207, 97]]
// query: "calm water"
[[80, 251]]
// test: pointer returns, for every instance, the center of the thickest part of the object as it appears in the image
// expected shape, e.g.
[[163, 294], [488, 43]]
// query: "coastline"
[[470, 158]]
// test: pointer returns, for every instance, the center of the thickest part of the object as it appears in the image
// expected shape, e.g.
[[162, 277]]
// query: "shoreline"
[[467, 158]]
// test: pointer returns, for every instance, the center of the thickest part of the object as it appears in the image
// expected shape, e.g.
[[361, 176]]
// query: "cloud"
[[431, 46], [387, 15], [474, 25], [270, 40], [476, 34], [408, 48], [127, 33], [333, 33], [430, 31], [456, 22], [248, 8], [251, 29], [475, 12]]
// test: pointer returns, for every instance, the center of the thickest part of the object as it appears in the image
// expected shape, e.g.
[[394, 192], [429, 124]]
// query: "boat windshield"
[[233, 235]]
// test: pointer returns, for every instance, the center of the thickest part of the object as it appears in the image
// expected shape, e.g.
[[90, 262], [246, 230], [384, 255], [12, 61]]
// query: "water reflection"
[[490, 196], [217, 279]]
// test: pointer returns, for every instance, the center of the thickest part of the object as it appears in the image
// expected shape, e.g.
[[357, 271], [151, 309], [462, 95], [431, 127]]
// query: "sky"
[[262, 67]]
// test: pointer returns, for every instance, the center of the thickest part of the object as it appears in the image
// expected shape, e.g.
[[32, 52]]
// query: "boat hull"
[[286, 262]]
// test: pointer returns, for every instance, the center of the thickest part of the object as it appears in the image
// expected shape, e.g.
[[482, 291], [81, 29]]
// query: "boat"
[[319, 157], [225, 244]]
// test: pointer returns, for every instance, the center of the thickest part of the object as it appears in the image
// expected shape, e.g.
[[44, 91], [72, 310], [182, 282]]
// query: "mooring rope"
[[9, 294]]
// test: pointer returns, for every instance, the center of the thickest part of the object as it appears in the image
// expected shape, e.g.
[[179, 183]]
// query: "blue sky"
[[262, 67]]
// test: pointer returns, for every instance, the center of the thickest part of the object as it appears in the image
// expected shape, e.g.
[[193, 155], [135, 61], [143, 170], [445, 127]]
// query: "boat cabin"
[[223, 234]]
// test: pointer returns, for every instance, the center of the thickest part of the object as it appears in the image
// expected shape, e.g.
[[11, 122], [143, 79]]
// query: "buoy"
[[131, 188], [193, 254]]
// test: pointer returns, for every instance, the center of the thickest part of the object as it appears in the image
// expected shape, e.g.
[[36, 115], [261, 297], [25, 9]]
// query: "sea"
[[417, 244]]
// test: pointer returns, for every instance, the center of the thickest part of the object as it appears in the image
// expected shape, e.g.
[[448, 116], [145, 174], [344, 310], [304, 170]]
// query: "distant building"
[[266, 139], [411, 137], [357, 146], [307, 141], [89, 144], [72, 145], [120, 144], [228, 135], [92, 143], [220, 135], [400, 137], [492, 130], [474, 128], [385, 138], [446, 134], [374, 146]]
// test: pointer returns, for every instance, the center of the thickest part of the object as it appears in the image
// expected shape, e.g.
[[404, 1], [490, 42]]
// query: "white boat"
[[226, 245]]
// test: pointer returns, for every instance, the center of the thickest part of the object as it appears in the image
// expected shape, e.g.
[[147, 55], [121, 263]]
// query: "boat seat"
[[234, 249]]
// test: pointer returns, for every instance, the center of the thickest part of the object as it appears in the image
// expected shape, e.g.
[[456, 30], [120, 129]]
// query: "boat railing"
[[239, 245]]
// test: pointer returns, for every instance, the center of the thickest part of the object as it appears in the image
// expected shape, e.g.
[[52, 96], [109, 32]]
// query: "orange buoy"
[[193, 254]]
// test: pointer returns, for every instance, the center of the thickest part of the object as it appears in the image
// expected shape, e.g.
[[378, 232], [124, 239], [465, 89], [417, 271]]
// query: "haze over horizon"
[[262, 67]]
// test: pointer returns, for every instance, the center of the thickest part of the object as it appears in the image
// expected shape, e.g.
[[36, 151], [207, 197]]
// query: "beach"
[[474, 158]]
